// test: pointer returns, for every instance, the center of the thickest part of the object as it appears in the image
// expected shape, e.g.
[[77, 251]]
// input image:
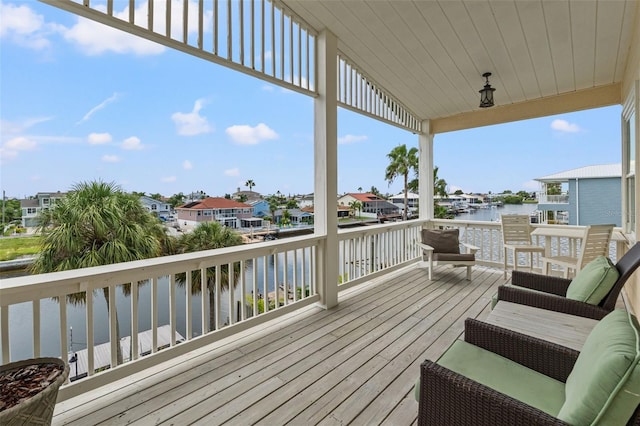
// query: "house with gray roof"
[[32, 206], [588, 195]]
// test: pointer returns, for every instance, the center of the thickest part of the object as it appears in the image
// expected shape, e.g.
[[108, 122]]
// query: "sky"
[[82, 102]]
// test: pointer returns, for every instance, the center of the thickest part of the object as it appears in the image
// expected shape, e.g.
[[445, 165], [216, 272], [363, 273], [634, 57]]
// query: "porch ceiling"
[[431, 54]]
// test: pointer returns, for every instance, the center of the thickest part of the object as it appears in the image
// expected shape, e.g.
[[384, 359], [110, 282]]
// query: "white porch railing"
[[273, 278], [369, 251]]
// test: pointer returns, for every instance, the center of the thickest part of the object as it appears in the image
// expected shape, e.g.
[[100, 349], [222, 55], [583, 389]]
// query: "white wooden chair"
[[594, 243], [516, 237], [442, 247]]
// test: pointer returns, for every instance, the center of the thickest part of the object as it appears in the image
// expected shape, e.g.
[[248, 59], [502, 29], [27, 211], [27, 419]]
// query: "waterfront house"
[[296, 216], [260, 207], [32, 206], [372, 204], [589, 195], [158, 208], [227, 212], [347, 346]]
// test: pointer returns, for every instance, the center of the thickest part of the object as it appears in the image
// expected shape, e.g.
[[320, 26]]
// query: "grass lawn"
[[13, 248]]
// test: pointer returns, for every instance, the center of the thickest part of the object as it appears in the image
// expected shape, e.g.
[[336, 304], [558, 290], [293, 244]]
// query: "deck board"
[[354, 364]]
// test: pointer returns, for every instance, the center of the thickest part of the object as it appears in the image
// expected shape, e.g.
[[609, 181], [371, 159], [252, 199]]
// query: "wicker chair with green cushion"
[[442, 247], [500, 377], [568, 296]]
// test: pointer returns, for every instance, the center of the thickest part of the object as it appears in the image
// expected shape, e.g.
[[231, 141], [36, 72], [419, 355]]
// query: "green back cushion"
[[604, 385], [593, 282], [442, 241]]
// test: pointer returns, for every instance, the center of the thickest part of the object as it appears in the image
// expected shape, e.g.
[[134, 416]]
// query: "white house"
[[158, 208], [32, 206]]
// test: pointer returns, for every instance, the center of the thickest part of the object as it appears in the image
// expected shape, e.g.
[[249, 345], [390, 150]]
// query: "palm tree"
[[356, 206], [208, 236], [402, 162], [273, 206], [250, 184], [359, 189], [98, 224]]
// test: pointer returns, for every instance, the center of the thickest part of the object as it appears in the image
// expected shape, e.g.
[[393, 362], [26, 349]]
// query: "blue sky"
[[79, 102]]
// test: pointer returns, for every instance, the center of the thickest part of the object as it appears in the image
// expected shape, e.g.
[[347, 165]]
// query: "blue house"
[[589, 195], [260, 208]]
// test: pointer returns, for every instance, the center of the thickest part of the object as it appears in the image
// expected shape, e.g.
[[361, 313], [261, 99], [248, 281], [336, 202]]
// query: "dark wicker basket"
[[37, 410]]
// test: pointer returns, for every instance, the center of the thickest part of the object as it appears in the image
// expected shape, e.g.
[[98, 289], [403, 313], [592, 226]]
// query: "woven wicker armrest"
[[548, 358], [551, 302], [553, 285], [448, 398]]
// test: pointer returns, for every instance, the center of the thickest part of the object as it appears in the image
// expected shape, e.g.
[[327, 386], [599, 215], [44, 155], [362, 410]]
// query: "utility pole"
[[4, 202]]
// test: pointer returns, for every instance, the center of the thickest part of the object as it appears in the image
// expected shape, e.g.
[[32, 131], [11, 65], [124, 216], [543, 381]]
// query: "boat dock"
[[79, 366]]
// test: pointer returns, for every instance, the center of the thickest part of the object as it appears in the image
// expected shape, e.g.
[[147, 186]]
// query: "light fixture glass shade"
[[486, 94]]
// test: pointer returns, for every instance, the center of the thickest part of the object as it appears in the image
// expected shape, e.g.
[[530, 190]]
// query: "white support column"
[[326, 168], [425, 175]]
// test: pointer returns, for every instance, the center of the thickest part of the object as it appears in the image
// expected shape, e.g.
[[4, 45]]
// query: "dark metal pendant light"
[[486, 94]]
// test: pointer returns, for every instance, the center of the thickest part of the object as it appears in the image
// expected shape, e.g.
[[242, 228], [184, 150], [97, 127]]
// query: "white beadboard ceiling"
[[431, 54]]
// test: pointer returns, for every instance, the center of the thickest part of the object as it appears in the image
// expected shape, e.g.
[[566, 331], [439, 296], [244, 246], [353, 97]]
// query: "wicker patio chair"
[[447, 397], [550, 292]]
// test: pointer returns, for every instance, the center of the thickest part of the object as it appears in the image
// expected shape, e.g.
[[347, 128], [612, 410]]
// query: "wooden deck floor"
[[355, 364]]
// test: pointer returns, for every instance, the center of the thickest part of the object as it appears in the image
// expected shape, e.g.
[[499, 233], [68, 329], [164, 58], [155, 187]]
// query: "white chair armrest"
[[425, 247], [470, 248]]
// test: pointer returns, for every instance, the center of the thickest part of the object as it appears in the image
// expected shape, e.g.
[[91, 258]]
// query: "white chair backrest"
[[595, 243], [516, 229]]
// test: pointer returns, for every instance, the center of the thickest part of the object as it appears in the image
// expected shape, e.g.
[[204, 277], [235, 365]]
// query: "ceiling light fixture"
[[486, 94]]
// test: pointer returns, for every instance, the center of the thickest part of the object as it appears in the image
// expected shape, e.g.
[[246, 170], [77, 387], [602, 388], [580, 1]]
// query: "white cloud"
[[565, 126], [110, 158], [98, 138], [132, 144], [22, 26], [98, 107], [247, 135], [169, 179], [192, 123], [232, 172], [11, 149], [347, 139], [94, 38], [21, 143], [186, 164], [268, 88]]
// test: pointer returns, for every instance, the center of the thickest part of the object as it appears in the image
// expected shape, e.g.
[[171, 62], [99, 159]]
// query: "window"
[[31, 210], [154, 207]]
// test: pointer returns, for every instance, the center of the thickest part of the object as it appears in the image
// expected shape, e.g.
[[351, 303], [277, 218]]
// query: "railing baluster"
[[185, 22], [113, 326], [204, 300], [64, 344], [216, 297], [135, 328], [243, 291], [265, 283], [167, 19], [150, 16], [172, 308], [36, 328], [90, 340], [256, 292], [188, 307], [241, 31], [154, 315], [215, 27], [276, 274], [4, 327]]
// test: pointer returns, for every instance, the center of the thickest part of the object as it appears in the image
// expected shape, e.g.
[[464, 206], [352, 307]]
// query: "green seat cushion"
[[604, 385], [505, 376], [593, 282]]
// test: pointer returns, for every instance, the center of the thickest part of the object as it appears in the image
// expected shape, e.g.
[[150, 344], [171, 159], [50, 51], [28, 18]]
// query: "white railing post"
[[326, 168]]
